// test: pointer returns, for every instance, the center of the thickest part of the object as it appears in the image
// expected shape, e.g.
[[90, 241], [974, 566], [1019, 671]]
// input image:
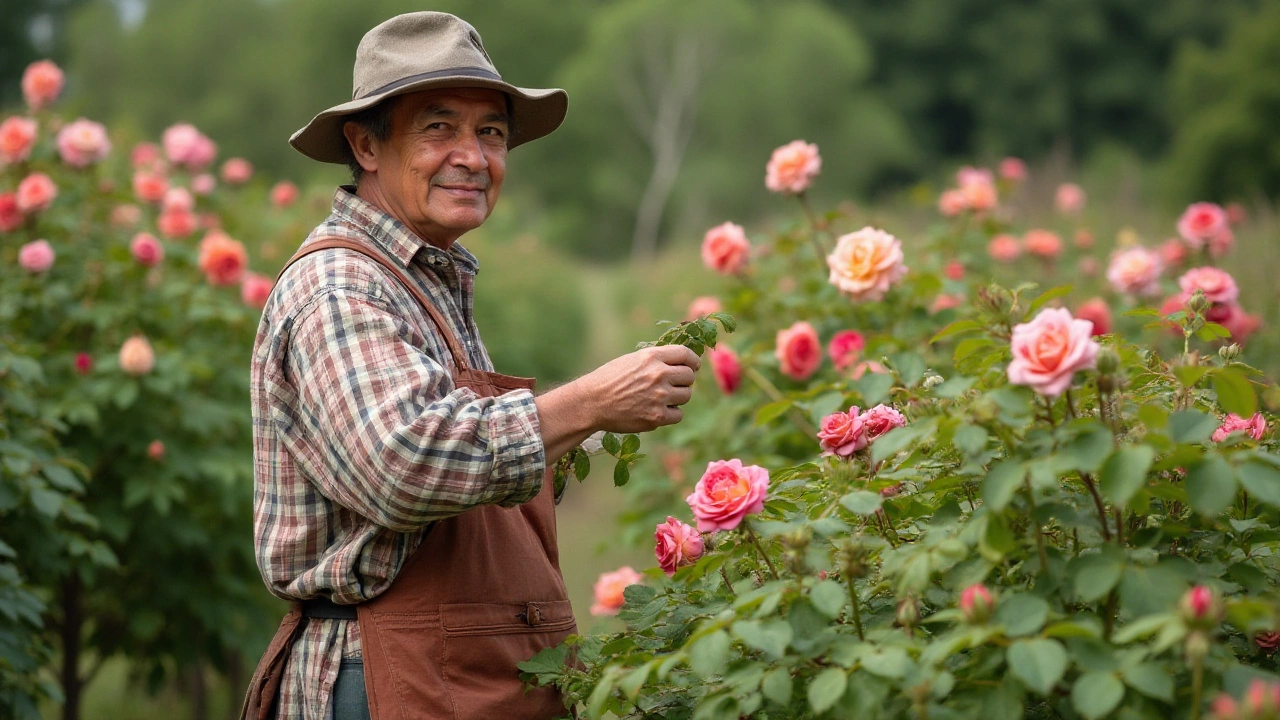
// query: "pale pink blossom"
[[1084, 239], [727, 492], [1217, 285], [792, 167], [35, 193], [1255, 427], [41, 84], [83, 143], [1235, 213], [1069, 199], [844, 348], [952, 202], [881, 419], [17, 137], [1202, 222], [798, 350], [676, 545], [726, 368], [725, 248], [125, 216], [177, 200], [146, 249], [203, 184], [283, 194], [136, 356], [609, 590], [237, 171], [702, 306], [1097, 312], [1088, 266], [945, 301], [1136, 271], [1013, 169], [1049, 350], [145, 156], [843, 433], [1043, 243], [1004, 248], [969, 175], [867, 366], [1237, 322], [185, 145], [255, 289], [866, 263], [36, 256]]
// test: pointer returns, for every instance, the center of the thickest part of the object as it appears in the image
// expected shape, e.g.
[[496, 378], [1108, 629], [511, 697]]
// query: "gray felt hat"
[[419, 51]]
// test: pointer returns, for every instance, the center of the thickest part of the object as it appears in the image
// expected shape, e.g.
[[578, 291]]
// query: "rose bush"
[[1041, 515]]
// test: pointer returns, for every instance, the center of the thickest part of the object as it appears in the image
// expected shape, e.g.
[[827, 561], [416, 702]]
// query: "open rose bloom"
[[845, 347], [728, 492], [1204, 223], [798, 350], [17, 137], [726, 368], [866, 263], [222, 259], [1136, 271], [843, 433], [83, 143], [792, 167], [41, 84], [1254, 427], [609, 590], [676, 545], [36, 257], [1049, 350], [725, 248]]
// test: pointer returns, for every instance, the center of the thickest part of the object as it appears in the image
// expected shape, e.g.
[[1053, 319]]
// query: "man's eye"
[[437, 126]]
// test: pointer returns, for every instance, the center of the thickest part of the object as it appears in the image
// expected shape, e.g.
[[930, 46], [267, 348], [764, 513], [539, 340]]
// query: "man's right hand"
[[642, 390]]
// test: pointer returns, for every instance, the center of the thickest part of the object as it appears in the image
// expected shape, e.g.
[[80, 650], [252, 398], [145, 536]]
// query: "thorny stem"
[[1071, 405], [776, 395], [884, 530], [728, 584], [1097, 502], [817, 228], [760, 548], [1044, 558], [857, 614]]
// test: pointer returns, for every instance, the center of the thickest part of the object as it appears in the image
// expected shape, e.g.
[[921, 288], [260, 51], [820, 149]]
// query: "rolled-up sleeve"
[[392, 438]]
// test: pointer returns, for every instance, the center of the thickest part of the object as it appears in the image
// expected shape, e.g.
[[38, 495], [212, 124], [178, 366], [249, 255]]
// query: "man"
[[401, 495]]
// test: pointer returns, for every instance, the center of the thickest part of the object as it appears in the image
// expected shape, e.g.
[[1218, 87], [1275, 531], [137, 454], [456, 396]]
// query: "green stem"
[[1071, 405], [1044, 558], [760, 548], [813, 236], [776, 395], [1097, 503], [1197, 688], [728, 584], [857, 613]]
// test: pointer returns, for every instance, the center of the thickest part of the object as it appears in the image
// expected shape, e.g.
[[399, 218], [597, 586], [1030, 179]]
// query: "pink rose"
[[146, 249], [1136, 271], [1049, 350], [17, 137], [1255, 426], [1173, 252], [1004, 248], [726, 368], [149, 187], [203, 154], [609, 590], [952, 202], [222, 259], [1044, 243], [1200, 606], [36, 257], [1237, 322], [976, 603], [945, 302], [145, 156], [798, 350], [283, 194], [1084, 239], [125, 216], [35, 193], [83, 143], [842, 433], [676, 545], [255, 289], [1261, 699], [954, 270], [41, 84], [702, 306], [84, 363], [1097, 312], [175, 224], [181, 143], [725, 248], [979, 196], [203, 184], [844, 348], [867, 366], [1013, 169], [969, 175], [1235, 213], [177, 200], [792, 168], [1217, 285], [155, 450], [10, 214], [237, 171], [1069, 199], [866, 263], [727, 492], [1202, 222], [136, 356], [1221, 243], [881, 419]]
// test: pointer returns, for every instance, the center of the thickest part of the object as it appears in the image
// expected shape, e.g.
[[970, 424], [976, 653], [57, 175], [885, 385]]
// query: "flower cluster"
[[844, 433]]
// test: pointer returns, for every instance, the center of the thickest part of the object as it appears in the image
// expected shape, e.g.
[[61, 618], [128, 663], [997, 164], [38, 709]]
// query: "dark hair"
[[374, 120]]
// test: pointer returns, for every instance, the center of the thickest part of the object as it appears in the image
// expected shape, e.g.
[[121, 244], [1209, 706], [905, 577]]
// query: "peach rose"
[[84, 363], [1004, 248], [1043, 243], [609, 590], [725, 248], [792, 167], [83, 143], [155, 450], [676, 545], [1217, 285], [881, 419], [41, 84], [283, 194], [1097, 312], [17, 137], [842, 433], [979, 196], [149, 187], [1136, 271], [1049, 350], [952, 202], [35, 193], [798, 350], [237, 171], [844, 348], [1255, 427], [1069, 199], [866, 263], [726, 368], [10, 214], [203, 184], [1201, 222], [255, 289], [727, 492], [222, 259], [702, 306], [36, 256], [146, 249], [1013, 169], [145, 156], [176, 224], [136, 356]]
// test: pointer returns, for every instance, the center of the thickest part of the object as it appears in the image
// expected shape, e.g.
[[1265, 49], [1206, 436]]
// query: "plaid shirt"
[[360, 437]]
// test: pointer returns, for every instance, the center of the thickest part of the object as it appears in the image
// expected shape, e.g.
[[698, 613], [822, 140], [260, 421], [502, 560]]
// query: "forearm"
[[566, 416]]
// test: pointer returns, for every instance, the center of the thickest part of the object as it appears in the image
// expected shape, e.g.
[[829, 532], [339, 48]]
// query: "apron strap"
[[442, 325]]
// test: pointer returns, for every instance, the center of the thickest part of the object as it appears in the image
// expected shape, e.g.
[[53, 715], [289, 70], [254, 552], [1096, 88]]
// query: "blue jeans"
[[349, 701]]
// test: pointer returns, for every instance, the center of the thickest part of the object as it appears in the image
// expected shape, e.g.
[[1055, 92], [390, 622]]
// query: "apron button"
[[532, 615]]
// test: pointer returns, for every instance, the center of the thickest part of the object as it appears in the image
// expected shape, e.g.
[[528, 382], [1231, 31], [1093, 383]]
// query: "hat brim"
[[537, 112]]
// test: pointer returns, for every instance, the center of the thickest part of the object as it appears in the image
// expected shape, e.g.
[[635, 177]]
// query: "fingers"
[[677, 355], [681, 376], [679, 396]]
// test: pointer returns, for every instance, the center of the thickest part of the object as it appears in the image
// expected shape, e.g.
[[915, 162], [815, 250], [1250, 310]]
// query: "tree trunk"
[[72, 619], [235, 682], [199, 693]]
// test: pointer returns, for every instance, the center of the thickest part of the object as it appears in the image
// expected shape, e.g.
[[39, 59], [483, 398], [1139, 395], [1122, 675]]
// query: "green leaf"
[[862, 502], [1088, 449], [1150, 680], [1261, 480], [1046, 296], [61, 477], [1002, 481], [46, 502], [826, 688], [1021, 615], [777, 686], [1125, 473], [1096, 694], [621, 473], [581, 465], [1189, 375], [956, 328], [611, 443], [631, 684], [770, 638], [1191, 426], [829, 597], [772, 411], [1235, 394], [970, 439], [1211, 485], [630, 444], [1096, 574], [1039, 664], [708, 655], [1003, 703], [874, 387]]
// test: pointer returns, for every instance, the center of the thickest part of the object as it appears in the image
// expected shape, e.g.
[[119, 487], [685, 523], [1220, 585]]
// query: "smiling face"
[[441, 169]]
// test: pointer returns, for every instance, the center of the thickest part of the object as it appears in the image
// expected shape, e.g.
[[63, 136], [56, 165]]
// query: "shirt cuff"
[[515, 437]]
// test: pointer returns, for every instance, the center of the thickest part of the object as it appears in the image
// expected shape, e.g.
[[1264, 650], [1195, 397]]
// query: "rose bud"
[[1201, 607], [908, 612], [976, 604]]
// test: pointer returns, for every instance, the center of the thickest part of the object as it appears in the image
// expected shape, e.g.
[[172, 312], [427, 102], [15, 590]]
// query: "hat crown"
[[414, 45]]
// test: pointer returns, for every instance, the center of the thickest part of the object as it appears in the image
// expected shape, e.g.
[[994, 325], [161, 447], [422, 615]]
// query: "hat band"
[[450, 72]]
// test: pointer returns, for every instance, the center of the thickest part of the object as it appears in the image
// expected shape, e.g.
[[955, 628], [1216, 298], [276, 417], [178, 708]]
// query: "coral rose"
[[283, 194], [236, 171], [1013, 169], [35, 193], [1136, 271], [1043, 243], [177, 199], [36, 256], [1084, 239], [83, 143], [1096, 311], [1049, 350], [222, 259], [10, 214], [84, 363], [1202, 222], [866, 263], [702, 306], [952, 202], [1217, 285], [41, 84], [136, 356], [798, 350], [155, 450], [676, 545], [176, 223], [609, 590], [844, 348], [1004, 248], [1255, 427], [954, 270], [726, 368], [842, 433], [979, 196], [1069, 199], [727, 492], [146, 249], [145, 156], [149, 187], [17, 137], [881, 419], [725, 248], [255, 289], [792, 167]]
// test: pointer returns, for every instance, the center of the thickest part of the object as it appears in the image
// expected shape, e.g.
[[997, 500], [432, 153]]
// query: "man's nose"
[[467, 151]]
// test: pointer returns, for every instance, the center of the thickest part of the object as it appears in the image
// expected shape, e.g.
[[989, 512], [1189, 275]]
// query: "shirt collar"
[[394, 236]]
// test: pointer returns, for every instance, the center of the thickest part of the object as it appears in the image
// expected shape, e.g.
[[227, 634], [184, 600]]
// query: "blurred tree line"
[[676, 105]]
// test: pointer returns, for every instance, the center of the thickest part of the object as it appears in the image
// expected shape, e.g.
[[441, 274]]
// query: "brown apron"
[[482, 593]]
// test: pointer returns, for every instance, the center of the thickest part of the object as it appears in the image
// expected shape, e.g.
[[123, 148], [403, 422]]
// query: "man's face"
[[442, 168]]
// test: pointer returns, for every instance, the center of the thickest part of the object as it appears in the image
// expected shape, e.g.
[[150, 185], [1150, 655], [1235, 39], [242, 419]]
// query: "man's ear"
[[361, 142]]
